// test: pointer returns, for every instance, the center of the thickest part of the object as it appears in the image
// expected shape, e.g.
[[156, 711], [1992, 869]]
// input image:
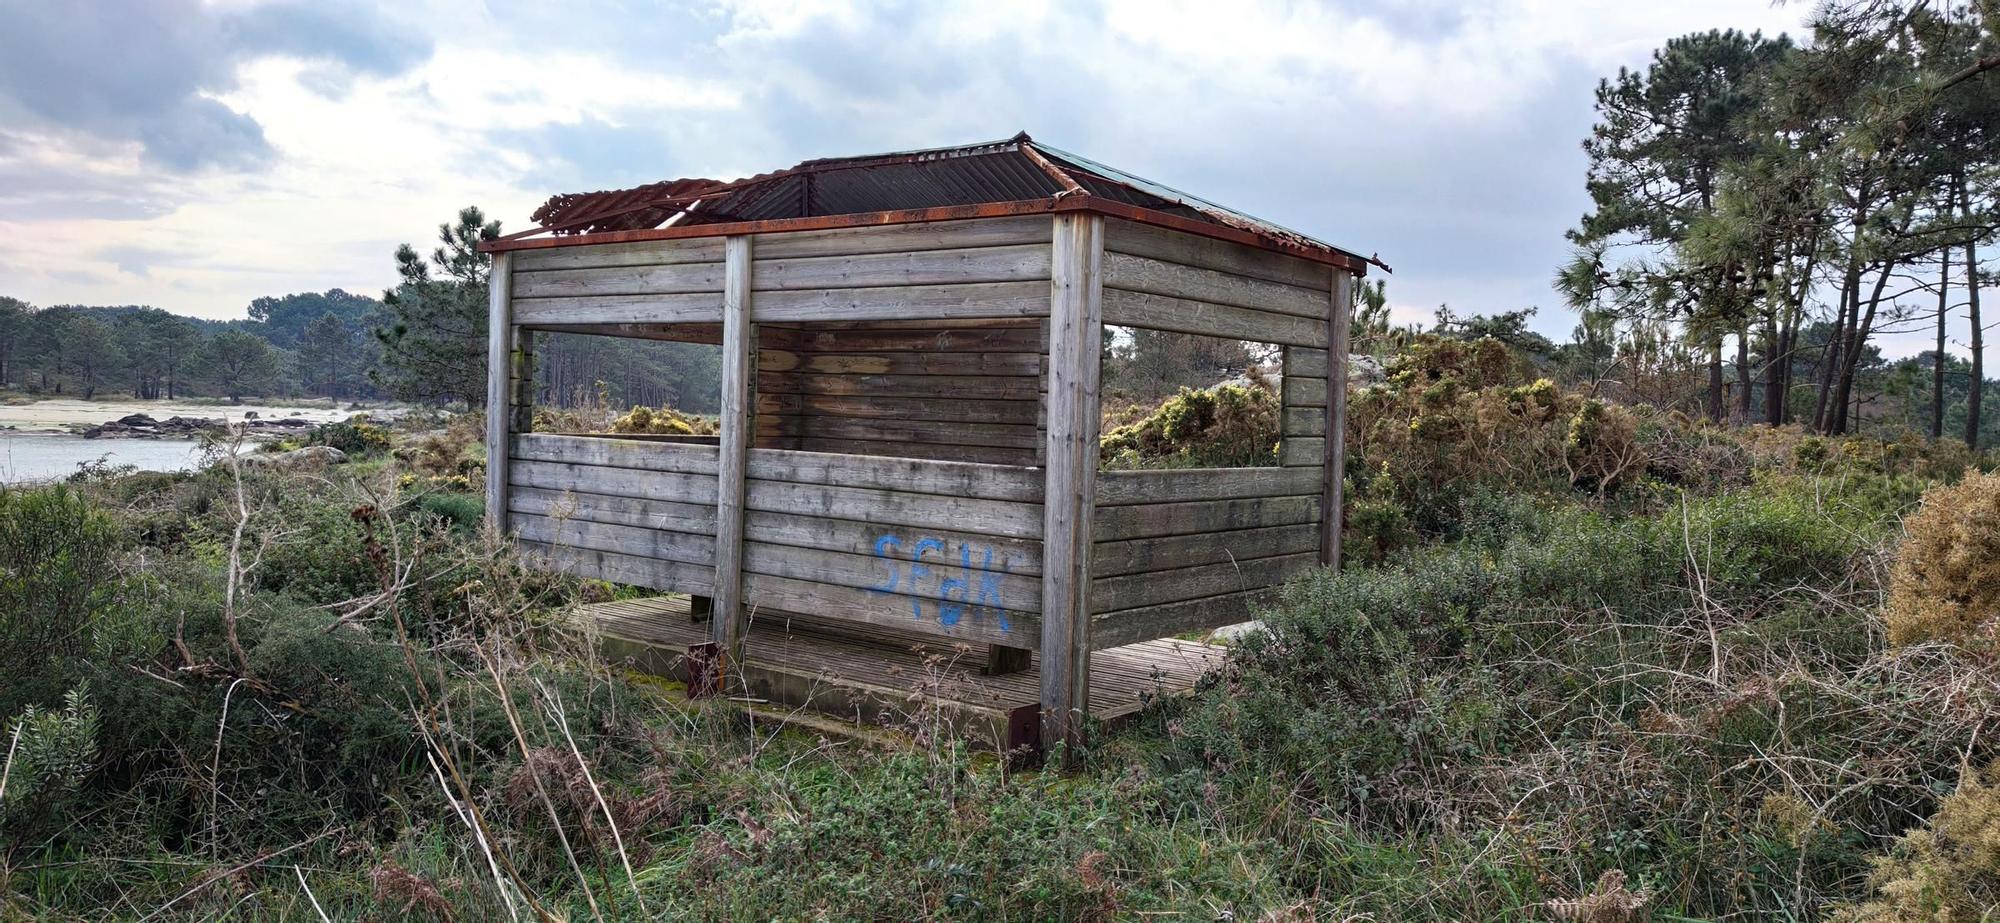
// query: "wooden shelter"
[[909, 406]]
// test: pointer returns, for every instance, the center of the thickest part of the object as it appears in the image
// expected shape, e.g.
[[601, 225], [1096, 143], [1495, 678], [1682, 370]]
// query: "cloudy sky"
[[196, 155]]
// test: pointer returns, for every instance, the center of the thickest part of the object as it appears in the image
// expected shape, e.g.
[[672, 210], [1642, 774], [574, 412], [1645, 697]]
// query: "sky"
[[196, 155]]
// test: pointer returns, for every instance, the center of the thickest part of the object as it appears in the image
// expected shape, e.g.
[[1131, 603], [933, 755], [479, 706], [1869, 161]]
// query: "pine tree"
[[1658, 156], [434, 345]]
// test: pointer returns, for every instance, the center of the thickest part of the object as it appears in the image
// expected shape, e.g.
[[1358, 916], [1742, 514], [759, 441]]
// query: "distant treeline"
[[311, 344], [315, 344]]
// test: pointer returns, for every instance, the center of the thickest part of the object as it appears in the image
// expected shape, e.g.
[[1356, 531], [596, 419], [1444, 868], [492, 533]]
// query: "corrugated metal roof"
[[1014, 170]]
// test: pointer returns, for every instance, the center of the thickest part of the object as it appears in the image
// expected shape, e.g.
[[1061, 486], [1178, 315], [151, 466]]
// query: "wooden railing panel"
[[1187, 549], [944, 548], [624, 510]]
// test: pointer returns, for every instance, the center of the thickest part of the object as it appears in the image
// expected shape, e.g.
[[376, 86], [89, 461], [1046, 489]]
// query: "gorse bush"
[[1454, 416], [1227, 426], [354, 437], [663, 421], [1946, 583], [1946, 870]]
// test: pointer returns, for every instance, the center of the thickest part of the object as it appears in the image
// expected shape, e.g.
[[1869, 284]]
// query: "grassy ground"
[[326, 696]]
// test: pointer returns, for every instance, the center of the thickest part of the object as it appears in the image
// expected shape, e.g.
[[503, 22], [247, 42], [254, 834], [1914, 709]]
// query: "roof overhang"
[[1080, 202], [1014, 176]]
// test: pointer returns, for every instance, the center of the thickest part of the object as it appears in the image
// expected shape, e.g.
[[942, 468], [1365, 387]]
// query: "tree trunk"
[[1745, 396], [1856, 340], [1714, 408], [1938, 358], [1830, 354], [1978, 344]]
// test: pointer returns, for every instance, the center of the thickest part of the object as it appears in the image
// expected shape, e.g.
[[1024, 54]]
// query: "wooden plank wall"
[[628, 511], [649, 282], [1185, 549], [1166, 280], [944, 548], [945, 390], [848, 369]]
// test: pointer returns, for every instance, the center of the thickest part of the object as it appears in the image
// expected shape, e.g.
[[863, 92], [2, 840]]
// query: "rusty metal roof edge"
[[1169, 193], [1312, 250], [759, 183]]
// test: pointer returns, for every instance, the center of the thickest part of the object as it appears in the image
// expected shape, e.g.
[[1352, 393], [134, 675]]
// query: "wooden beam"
[[1332, 510], [739, 343], [1076, 325], [499, 363]]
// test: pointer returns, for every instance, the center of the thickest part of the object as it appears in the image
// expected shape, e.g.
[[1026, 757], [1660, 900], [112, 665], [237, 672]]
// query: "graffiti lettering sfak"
[[925, 572]]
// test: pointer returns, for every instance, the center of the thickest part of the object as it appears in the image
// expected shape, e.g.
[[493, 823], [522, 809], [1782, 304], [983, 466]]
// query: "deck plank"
[[871, 673]]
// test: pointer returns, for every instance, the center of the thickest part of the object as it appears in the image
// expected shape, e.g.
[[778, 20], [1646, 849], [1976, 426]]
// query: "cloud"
[[1442, 135], [138, 260], [149, 73]]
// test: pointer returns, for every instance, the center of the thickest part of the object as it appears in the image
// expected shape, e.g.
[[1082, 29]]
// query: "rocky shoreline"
[[144, 426]]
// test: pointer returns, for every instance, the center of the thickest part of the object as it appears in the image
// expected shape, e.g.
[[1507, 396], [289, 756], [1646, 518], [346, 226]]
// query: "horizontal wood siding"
[[624, 510], [897, 238], [651, 282], [1187, 549], [1121, 236], [945, 548], [944, 392], [1166, 280]]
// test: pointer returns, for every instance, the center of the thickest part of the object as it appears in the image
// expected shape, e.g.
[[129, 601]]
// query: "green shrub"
[[57, 557], [354, 437], [47, 754], [1496, 722], [464, 511]]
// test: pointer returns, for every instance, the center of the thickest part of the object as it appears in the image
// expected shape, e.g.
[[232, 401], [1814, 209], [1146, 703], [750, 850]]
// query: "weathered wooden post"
[[1332, 505], [739, 343], [1076, 329], [499, 385]]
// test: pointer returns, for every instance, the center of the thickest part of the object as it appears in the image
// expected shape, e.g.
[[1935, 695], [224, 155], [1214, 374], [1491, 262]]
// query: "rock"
[[1230, 634], [312, 456], [249, 415]]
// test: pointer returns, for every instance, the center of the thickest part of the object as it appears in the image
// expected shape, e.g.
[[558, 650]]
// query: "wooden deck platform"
[[883, 677]]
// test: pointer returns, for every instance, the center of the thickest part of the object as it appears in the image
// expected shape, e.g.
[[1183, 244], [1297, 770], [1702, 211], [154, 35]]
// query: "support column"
[[499, 365], [1076, 330], [1332, 505], [739, 343]]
